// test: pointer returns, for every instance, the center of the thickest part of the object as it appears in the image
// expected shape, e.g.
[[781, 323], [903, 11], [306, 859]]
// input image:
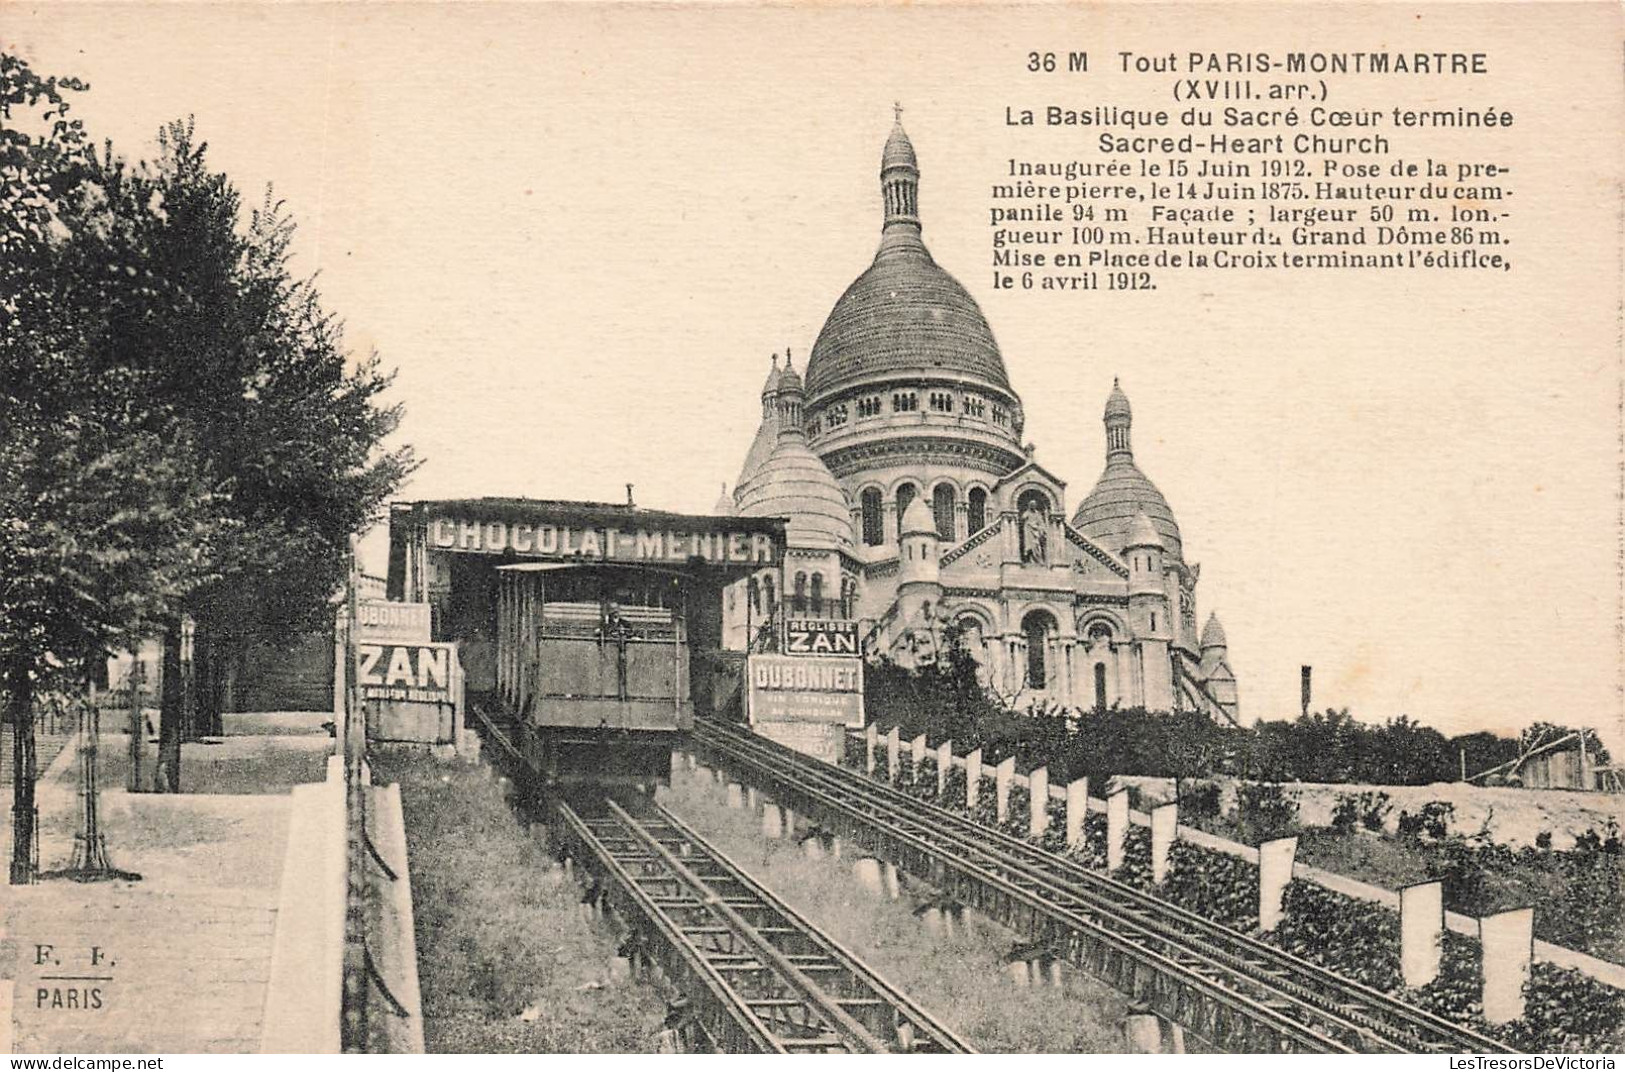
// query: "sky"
[[578, 232]]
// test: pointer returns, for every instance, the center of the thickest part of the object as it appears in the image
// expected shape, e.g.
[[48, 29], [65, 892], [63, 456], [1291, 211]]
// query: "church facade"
[[912, 504]]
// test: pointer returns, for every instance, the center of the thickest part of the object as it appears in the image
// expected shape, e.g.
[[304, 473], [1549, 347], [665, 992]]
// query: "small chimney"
[[1307, 671], [629, 501]]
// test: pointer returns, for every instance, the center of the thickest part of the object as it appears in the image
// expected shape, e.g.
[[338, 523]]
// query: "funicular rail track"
[[1235, 991], [758, 977], [769, 980]]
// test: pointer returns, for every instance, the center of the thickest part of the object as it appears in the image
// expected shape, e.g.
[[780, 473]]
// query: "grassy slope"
[[500, 929], [961, 980]]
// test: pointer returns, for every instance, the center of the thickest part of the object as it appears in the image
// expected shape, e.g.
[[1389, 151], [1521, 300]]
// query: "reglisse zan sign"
[[820, 636], [543, 540]]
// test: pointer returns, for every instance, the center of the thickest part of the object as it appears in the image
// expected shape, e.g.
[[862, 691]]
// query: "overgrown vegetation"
[[944, 702], [507, 962]]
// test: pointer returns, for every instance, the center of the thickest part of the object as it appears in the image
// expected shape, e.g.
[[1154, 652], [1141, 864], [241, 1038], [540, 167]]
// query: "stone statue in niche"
[[1034, 537]]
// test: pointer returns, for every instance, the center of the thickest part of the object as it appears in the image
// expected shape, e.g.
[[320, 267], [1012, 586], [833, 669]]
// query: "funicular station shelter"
[[594, 630]]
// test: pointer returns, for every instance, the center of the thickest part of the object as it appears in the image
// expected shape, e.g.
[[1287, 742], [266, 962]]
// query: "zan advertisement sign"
[[415, 673], [820, 636], [785, 688]]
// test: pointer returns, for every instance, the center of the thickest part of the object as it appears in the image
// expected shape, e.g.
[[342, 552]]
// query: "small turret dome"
[[1213, 634], [899, 151], [917, 519], [1117, 403], [789, 378], [725, 502], [793, 483], [1123, 490], [1142, 533], [767, 433]]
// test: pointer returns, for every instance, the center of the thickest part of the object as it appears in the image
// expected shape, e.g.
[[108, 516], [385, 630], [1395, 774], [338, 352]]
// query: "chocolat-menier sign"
[[543, 539], [785, 688]]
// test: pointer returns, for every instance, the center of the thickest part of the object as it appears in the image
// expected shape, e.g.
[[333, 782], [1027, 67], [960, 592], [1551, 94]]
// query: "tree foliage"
[[182, 430], [105, 517]]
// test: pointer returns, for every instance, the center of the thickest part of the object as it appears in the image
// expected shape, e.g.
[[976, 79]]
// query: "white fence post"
[[1116, 828], [918, 749], [1274, 872], [1038, 793], [1164, 826], [1002, 776], [894, 750], [1508, 939], [973, 779], [945, 760], [1077, 808], [1421, 930]]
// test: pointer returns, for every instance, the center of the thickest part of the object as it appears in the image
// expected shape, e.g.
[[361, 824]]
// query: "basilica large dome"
[[904, 316]]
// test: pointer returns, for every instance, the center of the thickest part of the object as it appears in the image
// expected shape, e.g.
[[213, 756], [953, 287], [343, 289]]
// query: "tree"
[[287, 434], [102, 516]]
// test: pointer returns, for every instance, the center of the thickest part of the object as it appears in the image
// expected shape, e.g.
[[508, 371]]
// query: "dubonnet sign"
[[380, 620], [785, 688]]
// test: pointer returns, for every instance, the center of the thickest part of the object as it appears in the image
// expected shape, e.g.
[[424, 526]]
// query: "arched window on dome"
[[818, 595], [753, 594], [1100, 686], [769, 596], [976, 511], [1038, 626], [905, 495], [942, 511], [798, 602], [874, 524]]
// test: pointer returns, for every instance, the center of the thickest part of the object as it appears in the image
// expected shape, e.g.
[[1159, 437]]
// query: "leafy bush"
[[1369, 810], [1362, 937], [1265, 811], [1432, 822], [1345, 814], [1199, 800], [1216, 885], [1018, 815], [1374, 808]]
